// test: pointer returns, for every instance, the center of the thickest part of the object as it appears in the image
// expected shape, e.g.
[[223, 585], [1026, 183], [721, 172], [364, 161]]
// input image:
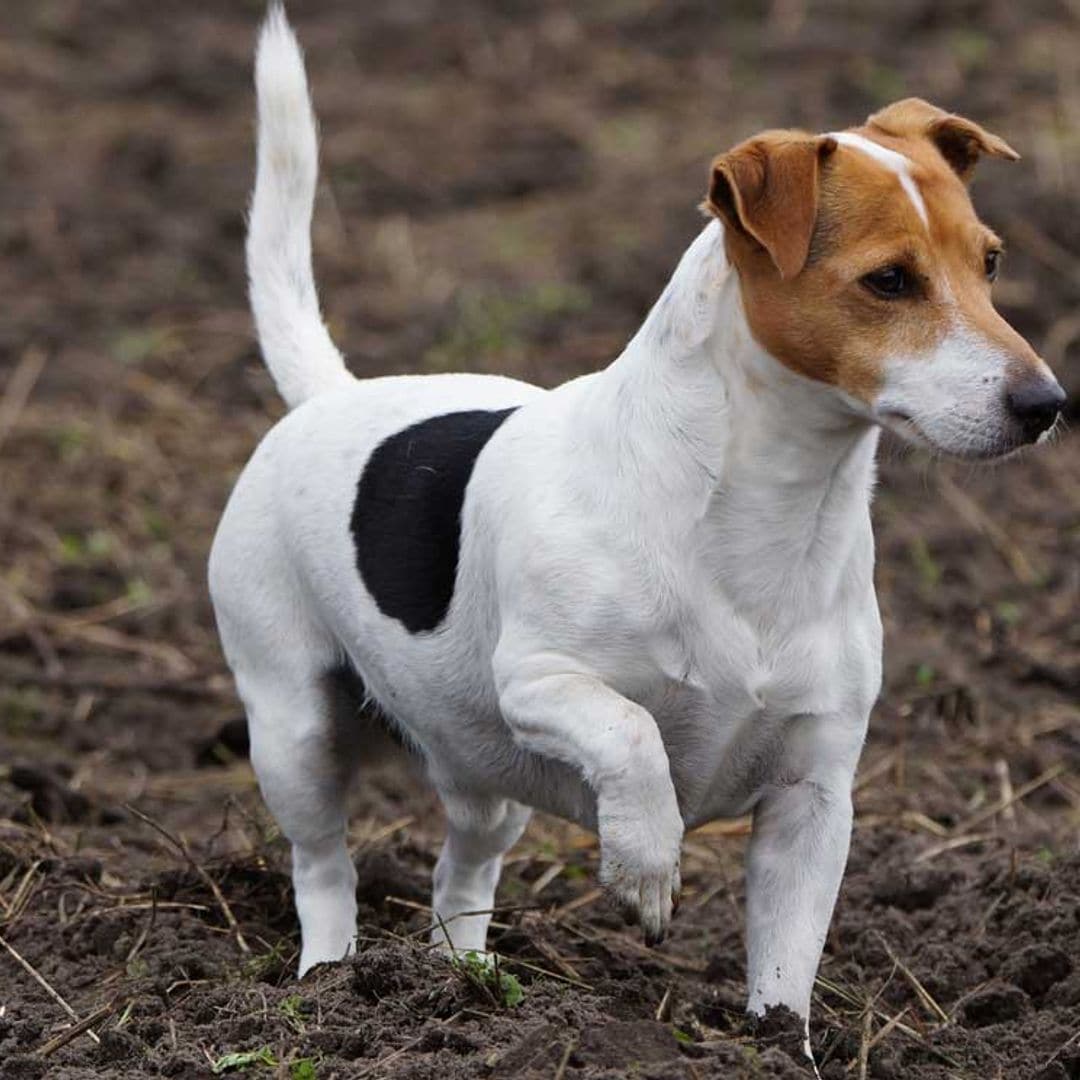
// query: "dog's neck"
[[696, 417]]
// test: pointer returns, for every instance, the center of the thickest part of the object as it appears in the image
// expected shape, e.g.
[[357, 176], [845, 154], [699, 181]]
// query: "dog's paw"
[[323, 952], [639, 862]]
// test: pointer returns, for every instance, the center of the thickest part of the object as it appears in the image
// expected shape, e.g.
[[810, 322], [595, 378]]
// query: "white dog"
[[642, 600]]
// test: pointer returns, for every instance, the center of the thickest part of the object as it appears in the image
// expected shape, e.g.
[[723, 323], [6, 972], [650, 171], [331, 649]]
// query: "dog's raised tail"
[[295, 343]]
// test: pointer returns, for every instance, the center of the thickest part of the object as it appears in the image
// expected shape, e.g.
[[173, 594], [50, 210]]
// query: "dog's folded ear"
[[961, 142], [766, 189]]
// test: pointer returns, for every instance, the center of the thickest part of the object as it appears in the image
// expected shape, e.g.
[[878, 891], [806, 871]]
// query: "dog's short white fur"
[[664, 609]]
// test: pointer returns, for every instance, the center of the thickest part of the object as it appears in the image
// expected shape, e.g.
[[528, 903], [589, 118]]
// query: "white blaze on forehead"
[[894, 162]]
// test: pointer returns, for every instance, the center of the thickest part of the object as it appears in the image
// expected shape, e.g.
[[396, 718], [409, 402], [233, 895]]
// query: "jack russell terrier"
[[644, 599]]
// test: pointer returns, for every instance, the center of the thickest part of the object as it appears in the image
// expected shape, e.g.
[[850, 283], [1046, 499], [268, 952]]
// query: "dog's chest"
[[730, 698]]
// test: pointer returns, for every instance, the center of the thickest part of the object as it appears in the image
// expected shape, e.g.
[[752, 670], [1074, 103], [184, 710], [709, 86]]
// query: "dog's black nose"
[[1035, 404]]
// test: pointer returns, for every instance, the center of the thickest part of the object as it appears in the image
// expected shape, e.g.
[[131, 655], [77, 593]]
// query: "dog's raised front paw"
[[639, 861]]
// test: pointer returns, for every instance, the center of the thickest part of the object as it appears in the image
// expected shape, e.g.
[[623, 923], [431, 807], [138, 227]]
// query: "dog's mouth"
[[904, 425]]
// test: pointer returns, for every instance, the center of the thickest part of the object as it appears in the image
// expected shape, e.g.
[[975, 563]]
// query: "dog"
[[640, 601]]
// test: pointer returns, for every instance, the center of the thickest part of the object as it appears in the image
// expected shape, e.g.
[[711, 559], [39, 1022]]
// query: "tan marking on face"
[[825, 324]]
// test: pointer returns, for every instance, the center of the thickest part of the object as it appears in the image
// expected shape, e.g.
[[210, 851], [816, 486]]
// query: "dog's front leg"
[[579, 720], [794, 866], [798, 849], [796, 860]]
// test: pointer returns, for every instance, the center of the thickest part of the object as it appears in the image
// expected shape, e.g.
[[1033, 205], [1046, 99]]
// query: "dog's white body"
[[708, 640], [663, 612]]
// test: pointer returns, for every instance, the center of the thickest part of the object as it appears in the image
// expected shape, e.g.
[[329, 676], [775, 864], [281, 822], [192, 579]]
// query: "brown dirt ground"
[[507, 186]]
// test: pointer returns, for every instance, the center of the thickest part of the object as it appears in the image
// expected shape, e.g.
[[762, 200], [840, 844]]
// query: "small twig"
[[920, 991], [445, 933], [23, 892], [864, 1042], [85, 1024], [211, 884], [45, 984], [979, 519], [735, 827], [608, 941], [387, 831], [878, 769], [413, 905], [1001, 767], [867, 1044], [952, 845], [203, 686], [1021, 792], [918, 820], [371, 1069], [20, 386], [906, 1029], [553, 956], [514, 961], [140, 941], [994, 904], [114, 609], [568, 1049], [1057, 1053], [441, 923], [584, 900], [32, 622], [108, 638], [663, 1010], [546, 878]]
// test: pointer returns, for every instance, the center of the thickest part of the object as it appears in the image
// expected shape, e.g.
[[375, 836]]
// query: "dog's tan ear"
[[767, 189], [960, 141]]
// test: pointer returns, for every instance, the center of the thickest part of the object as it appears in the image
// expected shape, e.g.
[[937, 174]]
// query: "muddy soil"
[[506, 187]]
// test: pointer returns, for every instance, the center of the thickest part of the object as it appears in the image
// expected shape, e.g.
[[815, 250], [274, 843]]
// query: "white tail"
[[295, 343]]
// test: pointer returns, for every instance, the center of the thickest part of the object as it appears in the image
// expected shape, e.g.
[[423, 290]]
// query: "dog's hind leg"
[[305, 765], [481, 831], [303, 750]]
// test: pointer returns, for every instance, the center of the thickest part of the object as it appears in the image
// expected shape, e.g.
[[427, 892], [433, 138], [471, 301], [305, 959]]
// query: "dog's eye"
[[992, 264], [888, 282]]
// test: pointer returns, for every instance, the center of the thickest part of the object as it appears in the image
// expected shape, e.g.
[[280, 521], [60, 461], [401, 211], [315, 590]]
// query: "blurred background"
[[505, 188]]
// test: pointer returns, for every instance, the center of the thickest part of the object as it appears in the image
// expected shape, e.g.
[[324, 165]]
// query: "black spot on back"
[[406, 521]]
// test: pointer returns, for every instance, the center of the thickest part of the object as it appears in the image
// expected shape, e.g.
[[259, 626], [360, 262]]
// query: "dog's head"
[[862, 264]]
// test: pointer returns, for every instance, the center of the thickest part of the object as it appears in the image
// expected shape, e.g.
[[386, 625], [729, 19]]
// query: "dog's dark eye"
[[992, 265], [889, 282]]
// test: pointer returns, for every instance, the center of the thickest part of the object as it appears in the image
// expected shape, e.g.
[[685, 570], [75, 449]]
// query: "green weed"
[[928, 569], [244, 1059], [262, 965], [1008, 612], [303, 1069], [292, 1008], [134, 346], [483, 971]]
